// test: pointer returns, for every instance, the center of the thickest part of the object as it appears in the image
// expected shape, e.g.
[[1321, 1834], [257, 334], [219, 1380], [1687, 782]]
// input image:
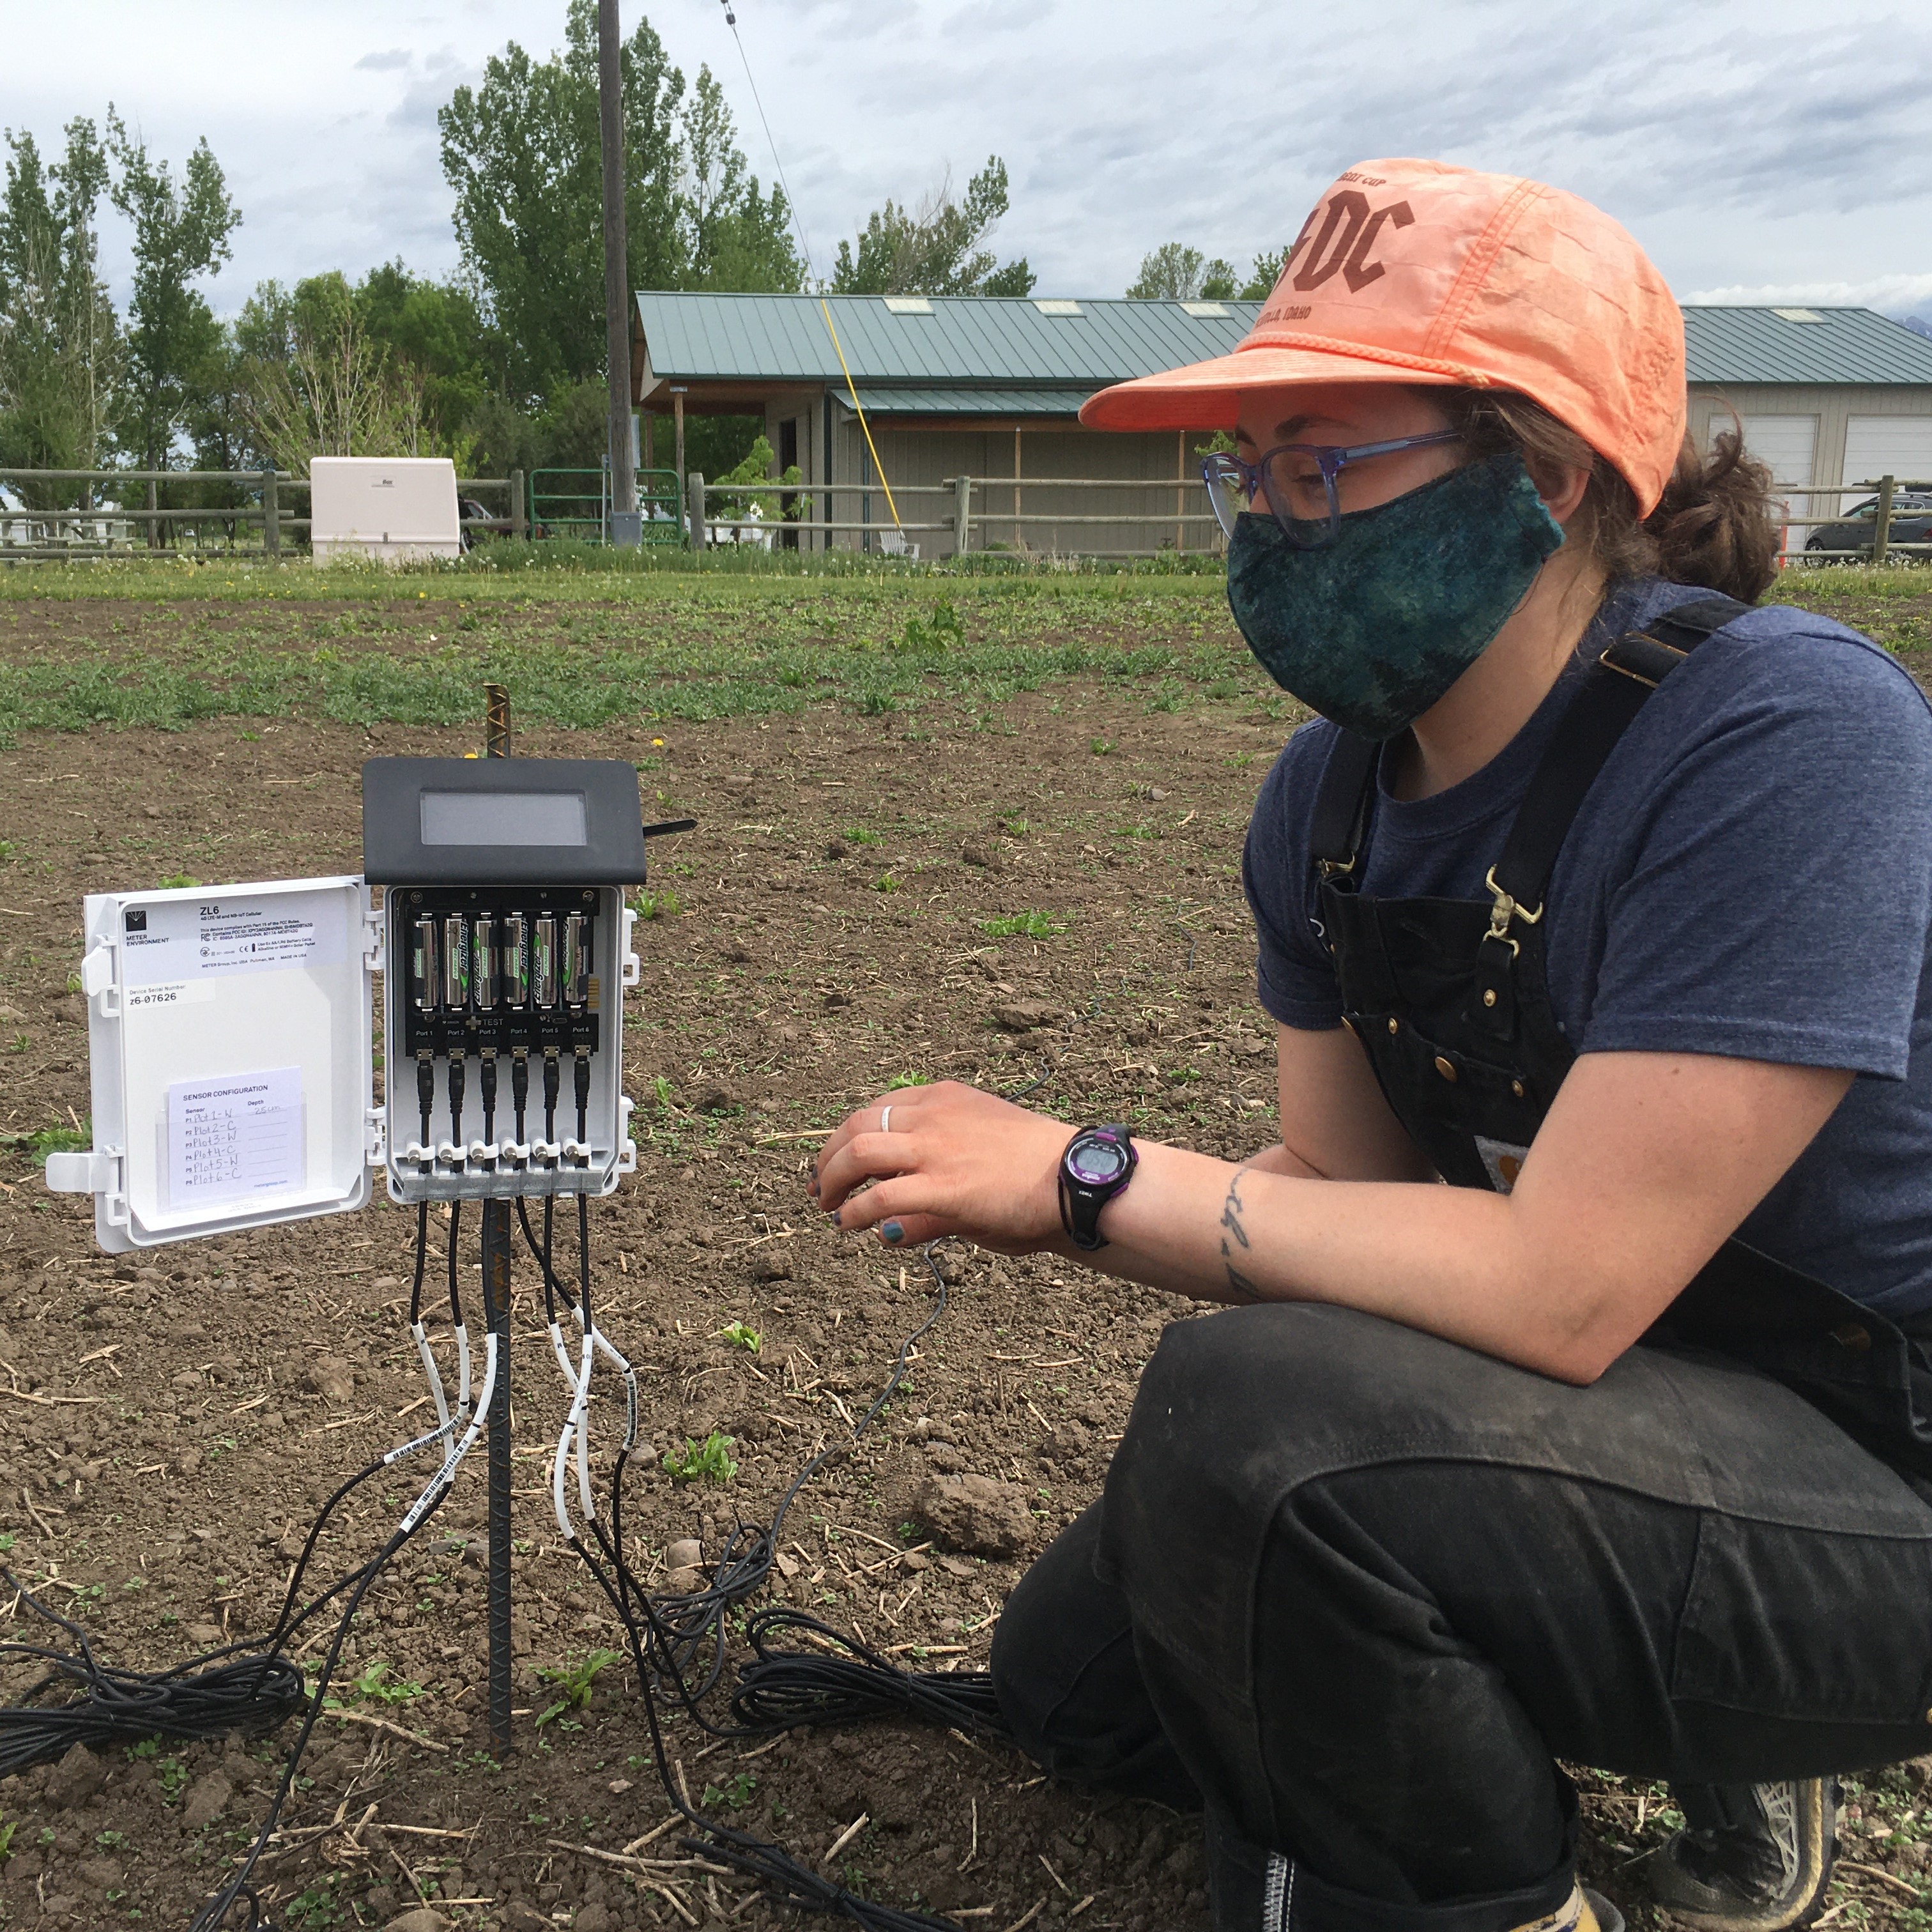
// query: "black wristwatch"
[[1098, 1163]]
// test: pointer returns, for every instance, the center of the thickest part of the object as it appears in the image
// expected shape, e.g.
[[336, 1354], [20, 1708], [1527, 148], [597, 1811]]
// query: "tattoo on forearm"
[[1234, 1234]]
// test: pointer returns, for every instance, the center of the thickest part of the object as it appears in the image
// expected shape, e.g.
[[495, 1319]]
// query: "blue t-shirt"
[[1750, 875]]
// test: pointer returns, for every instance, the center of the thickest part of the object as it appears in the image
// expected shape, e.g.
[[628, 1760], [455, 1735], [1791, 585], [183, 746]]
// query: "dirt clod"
[[976, 1513], [771, 1264], [75, 1779], [205, 1801], [425, 1918], [1023, 1015]]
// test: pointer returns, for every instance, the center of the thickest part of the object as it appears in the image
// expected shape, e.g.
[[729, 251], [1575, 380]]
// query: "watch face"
[[1097, 1162]]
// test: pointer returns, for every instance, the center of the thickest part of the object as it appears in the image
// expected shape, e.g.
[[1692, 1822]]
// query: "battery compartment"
[[505, 1032]]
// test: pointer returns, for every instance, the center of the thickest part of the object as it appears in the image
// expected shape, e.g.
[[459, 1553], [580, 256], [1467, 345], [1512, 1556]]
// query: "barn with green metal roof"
[[991, 387], [1825, 395]]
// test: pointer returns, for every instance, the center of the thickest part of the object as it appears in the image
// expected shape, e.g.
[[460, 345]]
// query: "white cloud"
[[1736, 143], [1890, 295]]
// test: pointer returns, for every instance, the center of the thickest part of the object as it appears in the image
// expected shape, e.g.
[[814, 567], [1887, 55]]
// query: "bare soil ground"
[[171, 1419]]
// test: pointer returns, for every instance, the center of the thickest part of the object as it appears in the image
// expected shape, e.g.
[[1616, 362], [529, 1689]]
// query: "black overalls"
[[1450, 1001], [1357, 1590]]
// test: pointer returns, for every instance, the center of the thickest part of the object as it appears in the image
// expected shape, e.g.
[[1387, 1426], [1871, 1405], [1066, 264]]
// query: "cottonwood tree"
[[1174, 272], [521, 152], [937, 248], [314, 383], [60, 344], [181, 232]]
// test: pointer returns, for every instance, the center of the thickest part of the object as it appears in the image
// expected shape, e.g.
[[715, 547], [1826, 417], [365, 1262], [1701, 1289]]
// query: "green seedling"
[[886, 882], [709, 1461], [662, 1088], [857, 834], [574, 1682], [735, 1791], [178, 882], [936, 633], [651, 904], [7, 1831], [1022, 926], [899, 1080], [1102, 748], [379, 1687], [741, 1335]]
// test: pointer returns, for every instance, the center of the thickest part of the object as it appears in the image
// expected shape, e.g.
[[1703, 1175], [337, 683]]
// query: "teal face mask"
[[1371, 629]]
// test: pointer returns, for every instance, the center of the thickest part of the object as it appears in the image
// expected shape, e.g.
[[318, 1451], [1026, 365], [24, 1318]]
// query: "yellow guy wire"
[[824, 307], [852, 390]]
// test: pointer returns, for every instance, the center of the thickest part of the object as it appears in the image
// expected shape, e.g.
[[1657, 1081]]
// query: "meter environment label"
[[236, 1136], [177, 942]]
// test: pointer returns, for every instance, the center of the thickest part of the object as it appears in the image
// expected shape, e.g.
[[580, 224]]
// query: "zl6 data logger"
[[231, 1030]]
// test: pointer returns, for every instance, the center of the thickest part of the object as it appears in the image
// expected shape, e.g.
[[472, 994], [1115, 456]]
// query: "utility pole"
[[626, 526]]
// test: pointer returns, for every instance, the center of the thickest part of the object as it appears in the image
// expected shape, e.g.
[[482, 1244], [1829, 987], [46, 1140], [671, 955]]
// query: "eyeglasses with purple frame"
[[1232, 484]]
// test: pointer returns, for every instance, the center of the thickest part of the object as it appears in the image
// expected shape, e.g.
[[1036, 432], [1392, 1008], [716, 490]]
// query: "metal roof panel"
[[697, 338], [973, 400], [1755, 345], [1005, 341]]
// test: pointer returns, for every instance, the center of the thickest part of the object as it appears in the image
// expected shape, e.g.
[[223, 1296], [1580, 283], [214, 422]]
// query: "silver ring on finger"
[[885, 1119]]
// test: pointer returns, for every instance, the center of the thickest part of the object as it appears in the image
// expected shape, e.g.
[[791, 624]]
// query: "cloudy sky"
[[1761, 149]]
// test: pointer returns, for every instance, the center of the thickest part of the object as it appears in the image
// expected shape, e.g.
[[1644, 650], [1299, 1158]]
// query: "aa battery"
[[543, 961], [577, 960], [483, 956], [423, 963], [516, 960], [455, 963]]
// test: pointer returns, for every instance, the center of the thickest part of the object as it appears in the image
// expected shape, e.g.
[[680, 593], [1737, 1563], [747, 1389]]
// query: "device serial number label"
[[181, 993]]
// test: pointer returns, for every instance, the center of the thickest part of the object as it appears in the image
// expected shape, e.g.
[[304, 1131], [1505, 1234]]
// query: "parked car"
[[1911, 523], [467, 508]]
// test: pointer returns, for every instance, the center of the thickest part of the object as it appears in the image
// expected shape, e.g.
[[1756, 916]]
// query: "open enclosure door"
[[229, 1033]]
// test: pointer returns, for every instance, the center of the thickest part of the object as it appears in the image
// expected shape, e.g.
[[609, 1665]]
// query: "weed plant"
[[709, 1461]]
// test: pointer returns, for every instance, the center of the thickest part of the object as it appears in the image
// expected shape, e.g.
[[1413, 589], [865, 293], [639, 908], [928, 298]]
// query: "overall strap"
[[1342, 804], [1613, 694], [1629, 670]]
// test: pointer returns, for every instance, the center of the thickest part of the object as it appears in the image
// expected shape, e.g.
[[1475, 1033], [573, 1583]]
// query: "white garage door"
[[1785, 444], [1876, 446]]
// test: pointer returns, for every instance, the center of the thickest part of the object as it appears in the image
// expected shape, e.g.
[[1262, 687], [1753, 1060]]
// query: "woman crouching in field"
[[1603, 896]]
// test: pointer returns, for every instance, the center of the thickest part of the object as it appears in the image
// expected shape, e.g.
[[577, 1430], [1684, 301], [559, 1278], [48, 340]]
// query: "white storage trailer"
[[395, 509]]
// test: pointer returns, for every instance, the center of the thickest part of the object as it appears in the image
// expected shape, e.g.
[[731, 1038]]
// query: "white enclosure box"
[[396, 508], [231, 1033]]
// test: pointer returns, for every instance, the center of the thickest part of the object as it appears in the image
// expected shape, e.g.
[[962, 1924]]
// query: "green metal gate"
[[576, 503]]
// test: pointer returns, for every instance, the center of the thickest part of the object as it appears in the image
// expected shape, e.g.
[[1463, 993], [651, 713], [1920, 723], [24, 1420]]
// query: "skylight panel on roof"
[[1205, 308], [1048, 305], [1797, 314], [908, 305]]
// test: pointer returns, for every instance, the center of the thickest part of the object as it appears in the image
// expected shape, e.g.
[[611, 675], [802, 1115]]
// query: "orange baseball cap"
[[1417, 272]]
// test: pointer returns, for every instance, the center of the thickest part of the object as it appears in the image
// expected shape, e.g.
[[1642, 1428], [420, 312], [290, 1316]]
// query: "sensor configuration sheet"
[[234, 1137]]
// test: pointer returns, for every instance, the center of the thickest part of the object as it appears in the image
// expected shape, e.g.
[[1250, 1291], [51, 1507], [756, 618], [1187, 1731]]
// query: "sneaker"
[[1752, 1858]]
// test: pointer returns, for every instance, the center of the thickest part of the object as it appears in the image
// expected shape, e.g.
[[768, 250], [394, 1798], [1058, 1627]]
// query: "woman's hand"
[[951, 1160]]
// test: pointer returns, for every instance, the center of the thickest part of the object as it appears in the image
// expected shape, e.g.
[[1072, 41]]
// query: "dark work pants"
[[1354, 1589]]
